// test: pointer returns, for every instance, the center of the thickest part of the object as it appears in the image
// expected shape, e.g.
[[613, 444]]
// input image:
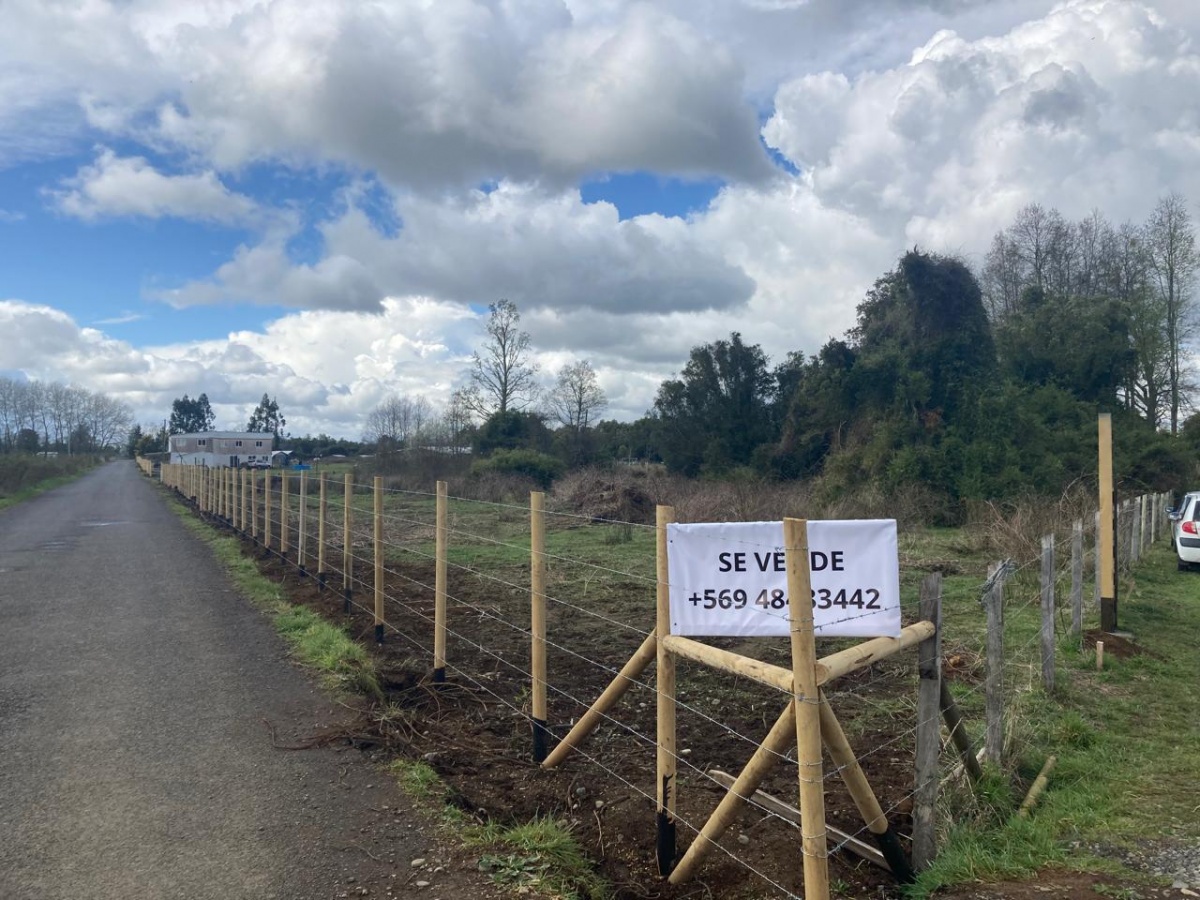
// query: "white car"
[[1185, 531]]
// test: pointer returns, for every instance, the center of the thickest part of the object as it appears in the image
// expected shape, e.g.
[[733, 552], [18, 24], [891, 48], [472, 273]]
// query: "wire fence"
[[447, 585]]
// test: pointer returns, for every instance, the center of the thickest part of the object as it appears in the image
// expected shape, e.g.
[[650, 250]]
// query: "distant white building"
[[221, 449]]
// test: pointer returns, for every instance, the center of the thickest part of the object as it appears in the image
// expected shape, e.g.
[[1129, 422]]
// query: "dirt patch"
[[1114, 645]]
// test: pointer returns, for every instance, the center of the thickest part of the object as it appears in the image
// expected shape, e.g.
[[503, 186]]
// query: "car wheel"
[[1183, 567]]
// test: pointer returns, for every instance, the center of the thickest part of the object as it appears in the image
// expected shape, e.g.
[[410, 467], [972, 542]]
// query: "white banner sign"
[[730, 579]]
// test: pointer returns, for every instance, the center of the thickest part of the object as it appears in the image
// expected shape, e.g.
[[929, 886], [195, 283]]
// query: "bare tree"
[[399, 421], [1171, 250], [574, 400], [502, 375]]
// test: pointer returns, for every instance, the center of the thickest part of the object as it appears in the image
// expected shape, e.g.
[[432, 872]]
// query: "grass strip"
[[341, 664], [540, 856]]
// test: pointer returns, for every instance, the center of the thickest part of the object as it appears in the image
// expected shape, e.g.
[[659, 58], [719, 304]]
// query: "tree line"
[[37, 416]]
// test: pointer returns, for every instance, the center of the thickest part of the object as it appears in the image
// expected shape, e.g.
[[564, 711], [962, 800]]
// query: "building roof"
[[242, 435]]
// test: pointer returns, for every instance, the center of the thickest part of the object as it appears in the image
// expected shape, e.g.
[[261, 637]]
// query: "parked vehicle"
[[1185, 531]]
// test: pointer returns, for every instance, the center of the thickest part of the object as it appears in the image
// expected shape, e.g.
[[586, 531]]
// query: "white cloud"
[[531, 245], [1090, 106], [130, 186]]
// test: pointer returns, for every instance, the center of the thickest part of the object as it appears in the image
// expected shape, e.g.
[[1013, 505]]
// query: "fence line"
[[243, 500]]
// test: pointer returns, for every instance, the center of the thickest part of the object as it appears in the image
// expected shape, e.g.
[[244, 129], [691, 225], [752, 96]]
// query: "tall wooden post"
[[439, 586], [302, 525], [284, 543], [1048, 613], [254, 505], [267, 511], [347, 542], [665, 759], [808, 711], [537, 600], [322, 514], [1108, 553], [929, 727], [378, 559], [247, 476]]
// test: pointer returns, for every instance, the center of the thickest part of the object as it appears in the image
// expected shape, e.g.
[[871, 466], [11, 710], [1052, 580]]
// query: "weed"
[[418, 779]]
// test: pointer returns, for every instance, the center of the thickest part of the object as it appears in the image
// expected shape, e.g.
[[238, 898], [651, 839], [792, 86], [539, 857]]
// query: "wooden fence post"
[[246, 478], [302, 525], [254, 505], [378, 559], [1077, 578], [994, 685], [665, 684], [928, 732], [439, 587], [537, 600], [808, 711], [322, 514], [1048, 613], [267, 512], [347, 542], [1135, 530], [284, 543]]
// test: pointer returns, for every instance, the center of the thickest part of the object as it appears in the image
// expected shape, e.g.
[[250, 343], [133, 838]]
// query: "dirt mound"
[[607, 499]]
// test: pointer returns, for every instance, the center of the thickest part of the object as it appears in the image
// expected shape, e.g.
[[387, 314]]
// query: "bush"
[[539, 467]]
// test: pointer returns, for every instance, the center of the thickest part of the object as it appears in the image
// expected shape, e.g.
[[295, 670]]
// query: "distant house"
[[221, 449]]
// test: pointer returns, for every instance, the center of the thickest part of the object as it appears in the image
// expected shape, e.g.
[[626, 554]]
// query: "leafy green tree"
[[133, 441], [267, 418], [718, 412], [190, 416], [512, 431]]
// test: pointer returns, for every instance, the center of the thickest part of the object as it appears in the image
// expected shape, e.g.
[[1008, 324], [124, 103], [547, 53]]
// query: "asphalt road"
[[135, 758]]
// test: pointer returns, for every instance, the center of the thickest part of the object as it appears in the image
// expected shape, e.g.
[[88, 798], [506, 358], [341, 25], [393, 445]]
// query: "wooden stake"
[[322, 513], [1108, 559], [616, 689], [864, 798], [254, 505], [808, 716], [1037, 789], [1048, 613], [766, 755], [537, 600], [733, 663], [247, 476], [347, 542], [665, 757], [837, 665], [1099, 656], [378, 559], [267, 510], [439, 586], [928, 731], [958, 733], [786, 811]]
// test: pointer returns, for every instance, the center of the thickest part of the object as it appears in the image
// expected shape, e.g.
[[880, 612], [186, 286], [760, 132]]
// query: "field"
[[475, 731]]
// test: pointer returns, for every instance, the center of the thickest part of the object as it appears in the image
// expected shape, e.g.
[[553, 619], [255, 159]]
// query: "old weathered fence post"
[[1077, 578], [1048, 613], [928, 733], [993, 599]]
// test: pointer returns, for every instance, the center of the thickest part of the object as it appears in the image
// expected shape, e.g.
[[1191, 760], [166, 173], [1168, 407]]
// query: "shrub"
[[539, 467]]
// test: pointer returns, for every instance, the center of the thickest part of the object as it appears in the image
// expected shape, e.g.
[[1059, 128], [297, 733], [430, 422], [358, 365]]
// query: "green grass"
[[1126, 743], [342, 664]]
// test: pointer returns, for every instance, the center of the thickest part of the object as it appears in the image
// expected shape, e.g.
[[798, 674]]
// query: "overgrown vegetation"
[[23, 474]]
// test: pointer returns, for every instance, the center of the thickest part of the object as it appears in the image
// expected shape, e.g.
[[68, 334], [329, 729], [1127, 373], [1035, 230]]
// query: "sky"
[[318, 199]]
